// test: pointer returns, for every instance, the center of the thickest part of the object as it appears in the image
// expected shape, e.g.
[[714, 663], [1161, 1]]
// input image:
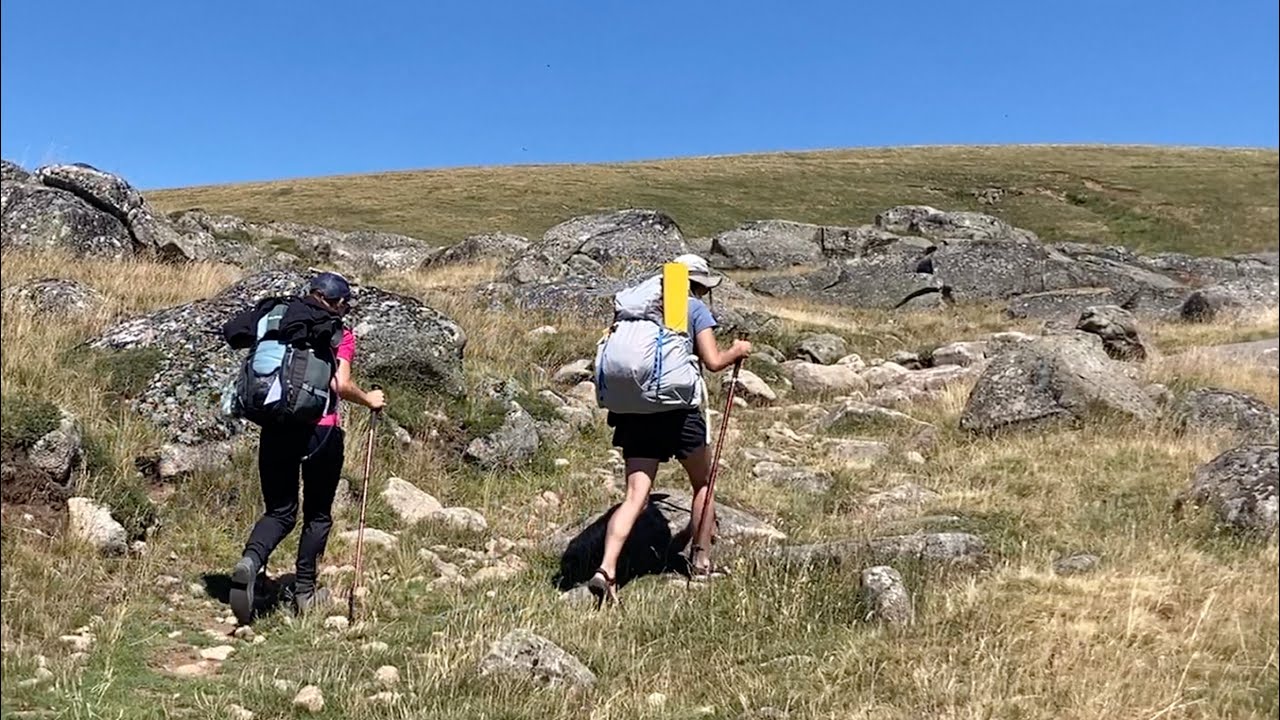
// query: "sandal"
[[703, 574], [604, 588]]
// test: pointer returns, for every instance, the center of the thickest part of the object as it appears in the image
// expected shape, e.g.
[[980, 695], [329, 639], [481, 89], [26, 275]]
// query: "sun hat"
[[330, 286], [699, 271]]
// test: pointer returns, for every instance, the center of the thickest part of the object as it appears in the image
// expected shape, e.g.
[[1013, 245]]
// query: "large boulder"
[[820, 348], [1231, 298], [938, 548], [1118, 328], [13, 172], [492, 247], [399, 339], [93, 524], [934, 223], [768, 245], [614, 243], [1241, 486], [40, 217], [1052, 378], [1216, 409]]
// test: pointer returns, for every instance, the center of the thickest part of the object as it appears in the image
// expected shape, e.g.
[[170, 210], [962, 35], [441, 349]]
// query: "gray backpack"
[[280, 383], [643, 366]]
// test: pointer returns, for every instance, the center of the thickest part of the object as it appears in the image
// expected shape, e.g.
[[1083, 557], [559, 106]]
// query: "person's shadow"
[[271, 593], [651, 549]]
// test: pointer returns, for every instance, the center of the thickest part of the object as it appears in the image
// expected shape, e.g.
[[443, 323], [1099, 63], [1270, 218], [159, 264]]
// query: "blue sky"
[[180, 93]]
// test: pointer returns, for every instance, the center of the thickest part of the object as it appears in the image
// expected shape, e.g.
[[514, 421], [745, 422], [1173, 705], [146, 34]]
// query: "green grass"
[[1150, 198], [26, 419]]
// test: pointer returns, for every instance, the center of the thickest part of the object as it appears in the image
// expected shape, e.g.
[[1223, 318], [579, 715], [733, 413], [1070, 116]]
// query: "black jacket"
[[306, 323]]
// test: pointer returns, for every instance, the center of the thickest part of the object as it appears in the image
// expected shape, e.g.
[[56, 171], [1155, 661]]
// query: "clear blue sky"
[[179, 92]]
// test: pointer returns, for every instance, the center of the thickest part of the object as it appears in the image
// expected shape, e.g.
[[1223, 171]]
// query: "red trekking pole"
[[715, 468]]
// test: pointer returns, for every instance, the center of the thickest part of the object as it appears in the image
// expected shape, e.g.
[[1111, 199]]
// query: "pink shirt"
[[346, 351]]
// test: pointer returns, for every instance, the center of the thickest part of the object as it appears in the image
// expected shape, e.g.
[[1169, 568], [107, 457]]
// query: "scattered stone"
[[1241, 485], [962, 354], [95, 525], [178, 460], [656, 700], [809, 377], [887, 373], [853, 360], [1210, 409], [560, 462], [1121, 337], [886, 596], [244, 632], [802, 479], [408, 501], [195, 670], [372, 536], [309, 699], [282, 685], [513, 443], [523, 654], [338, 623], [80, 642], [235, 712], [752, 386], [387, 676], [543, 331], [57, 297], [219, 653], [375, 647], [574, 372], [1077, 564], [855, 453], [940, 548], [461, 518], [907, 359], [820, 348], [902, 499]]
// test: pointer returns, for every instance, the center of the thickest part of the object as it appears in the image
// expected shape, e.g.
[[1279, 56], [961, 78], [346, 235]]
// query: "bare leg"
[[640, 474], [698, 466]]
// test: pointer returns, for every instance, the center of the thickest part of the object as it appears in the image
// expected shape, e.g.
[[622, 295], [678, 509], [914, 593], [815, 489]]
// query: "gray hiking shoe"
[[305, 602], [243, 579]]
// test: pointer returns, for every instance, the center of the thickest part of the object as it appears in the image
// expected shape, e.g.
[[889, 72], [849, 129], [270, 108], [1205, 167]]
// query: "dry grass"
[[1196, 200], [1179, 622]]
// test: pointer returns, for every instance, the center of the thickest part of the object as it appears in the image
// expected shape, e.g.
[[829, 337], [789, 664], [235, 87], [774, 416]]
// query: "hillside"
[[1202, 201], [1026, 502]]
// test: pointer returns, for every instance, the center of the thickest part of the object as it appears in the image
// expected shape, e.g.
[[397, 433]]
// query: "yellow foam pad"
[[675, 296]]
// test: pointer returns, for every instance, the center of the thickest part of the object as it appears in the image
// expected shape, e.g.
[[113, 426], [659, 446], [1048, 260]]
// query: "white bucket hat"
[[699, 271]]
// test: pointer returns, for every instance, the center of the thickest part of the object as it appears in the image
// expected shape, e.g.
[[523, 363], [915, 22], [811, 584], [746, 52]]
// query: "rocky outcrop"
[[1240, 485], [492, 247], [1216, 409], [55, 296], [399, 339], [1121, 337]]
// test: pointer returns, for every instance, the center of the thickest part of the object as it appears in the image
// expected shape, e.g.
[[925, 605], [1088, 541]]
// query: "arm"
[[350, 391], [711, 356]]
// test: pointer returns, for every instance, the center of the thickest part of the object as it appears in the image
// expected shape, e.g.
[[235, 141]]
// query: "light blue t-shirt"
[[700, 317]]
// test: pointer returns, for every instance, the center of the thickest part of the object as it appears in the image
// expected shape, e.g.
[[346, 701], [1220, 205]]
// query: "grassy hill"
[[1185, 199]]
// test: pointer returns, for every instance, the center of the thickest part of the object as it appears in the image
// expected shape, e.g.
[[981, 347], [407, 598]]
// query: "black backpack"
[[285, 383]]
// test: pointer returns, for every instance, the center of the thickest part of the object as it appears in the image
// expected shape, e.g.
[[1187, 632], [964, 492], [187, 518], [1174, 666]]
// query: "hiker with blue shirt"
[[649, 377]]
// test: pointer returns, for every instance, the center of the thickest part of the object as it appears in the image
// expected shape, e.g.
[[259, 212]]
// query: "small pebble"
[[235, 712], [337, 622], [219, 653], [310, 699], [244, 632], [656, 700], [560, 462], [387, 675]]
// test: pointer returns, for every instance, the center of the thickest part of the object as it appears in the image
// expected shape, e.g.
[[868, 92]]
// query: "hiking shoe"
[[243, 579], [304, 602]]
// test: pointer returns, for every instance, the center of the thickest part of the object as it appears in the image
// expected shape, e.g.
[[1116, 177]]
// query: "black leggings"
[[281, 455]]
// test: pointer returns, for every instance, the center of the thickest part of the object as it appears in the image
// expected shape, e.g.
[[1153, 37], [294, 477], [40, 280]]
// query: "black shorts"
[[659, 436]]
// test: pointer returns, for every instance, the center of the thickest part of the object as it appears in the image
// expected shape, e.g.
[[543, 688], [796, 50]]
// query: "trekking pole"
[[715, 460], [364, 503]]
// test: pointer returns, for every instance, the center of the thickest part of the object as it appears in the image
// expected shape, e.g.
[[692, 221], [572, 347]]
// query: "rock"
[[820, 348], [385, 697], [884, 374], [177, 460], [933, 223], [561, 462], [856, 415], [460, 518], [55, 296], [493, 247], [1215, 409], [13, 172], [962, 354], [235, 712], [807, 377], [508, 568], [59, 452], [374, 647], [886, 596], [337, 623], [309, 699], [854, 453], [39, 217], [655, 700], [244, 632], [625, 241], [1077, 564], [543, 331], [1118, 328], [1241, 486], [802, 479], [902, 499], [194, 670], [513, 443], [92, 523], [1228, 299], [522, 654], [409, 502], [1064, 305], [372, 536], [219, 653], [1052, 378], [398, 337], [574, 373], [751, 386], [768, 245], [387, 676], [80, 642]]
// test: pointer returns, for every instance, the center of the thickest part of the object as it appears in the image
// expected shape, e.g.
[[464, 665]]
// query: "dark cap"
[[330, 286]]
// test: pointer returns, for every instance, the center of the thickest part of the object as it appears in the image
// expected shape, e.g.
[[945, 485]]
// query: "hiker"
[[310, 441], [650, 437]]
